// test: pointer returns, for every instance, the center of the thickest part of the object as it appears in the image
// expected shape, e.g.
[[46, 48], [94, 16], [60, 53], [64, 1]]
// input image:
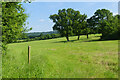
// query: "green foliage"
[[107, 24], [4, 48], [64, 21], [13, 21], [79, 24], [40, 37], [70, 22], [112, 29], [91, 25]]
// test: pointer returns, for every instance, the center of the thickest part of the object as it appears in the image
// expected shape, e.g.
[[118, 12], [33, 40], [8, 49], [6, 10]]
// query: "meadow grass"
[[56, 58]]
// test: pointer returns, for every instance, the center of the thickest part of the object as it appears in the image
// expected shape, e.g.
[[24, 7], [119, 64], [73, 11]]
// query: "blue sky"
[[39, 12]]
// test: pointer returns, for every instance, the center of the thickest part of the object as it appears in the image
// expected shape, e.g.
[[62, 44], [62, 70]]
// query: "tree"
[[41, 35], [100, 18], [92, 26], [86, 29], [106, 23], [79, 23], [64, 22], [13, 21], [113, 29]]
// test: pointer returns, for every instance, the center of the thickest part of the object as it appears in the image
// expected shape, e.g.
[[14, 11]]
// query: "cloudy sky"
[[39, 12]]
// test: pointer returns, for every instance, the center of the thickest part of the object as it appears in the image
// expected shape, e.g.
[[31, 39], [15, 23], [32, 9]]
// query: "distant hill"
[[35, 34]]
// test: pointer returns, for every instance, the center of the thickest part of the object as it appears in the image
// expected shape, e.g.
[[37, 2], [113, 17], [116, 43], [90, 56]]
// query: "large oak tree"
[[64, 21], [101, 17]]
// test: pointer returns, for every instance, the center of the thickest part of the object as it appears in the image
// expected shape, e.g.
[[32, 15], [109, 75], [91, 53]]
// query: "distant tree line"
[[70, 22], [40, 37]]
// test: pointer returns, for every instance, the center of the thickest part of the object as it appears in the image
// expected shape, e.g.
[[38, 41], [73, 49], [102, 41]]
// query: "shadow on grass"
[[99, 40], [97, 36], [95, 40], [65, 41]]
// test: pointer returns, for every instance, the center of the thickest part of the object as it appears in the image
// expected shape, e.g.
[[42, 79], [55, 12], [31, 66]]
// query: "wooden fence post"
[[29, 54]]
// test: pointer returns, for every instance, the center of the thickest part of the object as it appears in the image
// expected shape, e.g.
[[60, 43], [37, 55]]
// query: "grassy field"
[[56, 58]]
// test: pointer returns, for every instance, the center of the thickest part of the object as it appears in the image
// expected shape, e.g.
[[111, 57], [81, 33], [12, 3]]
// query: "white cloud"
[[115, 14], [42, 20]]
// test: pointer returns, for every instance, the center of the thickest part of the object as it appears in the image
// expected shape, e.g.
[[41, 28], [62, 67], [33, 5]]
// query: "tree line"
[[40, 37], [70, 22]]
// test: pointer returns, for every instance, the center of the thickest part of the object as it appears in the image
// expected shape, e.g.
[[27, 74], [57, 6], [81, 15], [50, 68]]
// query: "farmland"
[[56, 58]]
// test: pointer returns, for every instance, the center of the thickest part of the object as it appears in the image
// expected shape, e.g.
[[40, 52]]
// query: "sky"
[[39, 12]]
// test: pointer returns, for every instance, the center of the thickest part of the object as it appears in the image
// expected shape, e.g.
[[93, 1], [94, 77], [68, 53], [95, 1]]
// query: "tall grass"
[[56, 58]]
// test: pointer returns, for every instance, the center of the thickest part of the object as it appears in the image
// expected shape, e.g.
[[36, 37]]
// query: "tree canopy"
[[80, 24], [100, 18], [68, 22], [104, 21], [63, 22], [13, 21]]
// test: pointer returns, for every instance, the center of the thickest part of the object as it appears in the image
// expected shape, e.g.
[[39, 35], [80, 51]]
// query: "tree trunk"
[[67, 38], [78, 37], [87, 36]]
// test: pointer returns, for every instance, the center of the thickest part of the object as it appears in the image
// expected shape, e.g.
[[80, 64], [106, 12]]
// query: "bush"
[[53, 35], [111, 36]]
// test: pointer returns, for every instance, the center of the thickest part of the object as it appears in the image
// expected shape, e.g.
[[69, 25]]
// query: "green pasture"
[[56, 58]]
